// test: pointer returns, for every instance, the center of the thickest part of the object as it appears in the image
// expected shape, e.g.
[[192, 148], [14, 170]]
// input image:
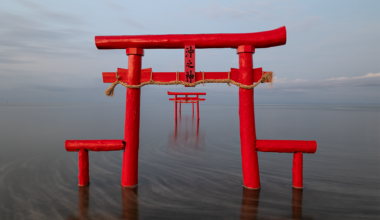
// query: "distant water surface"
[[188, 170]]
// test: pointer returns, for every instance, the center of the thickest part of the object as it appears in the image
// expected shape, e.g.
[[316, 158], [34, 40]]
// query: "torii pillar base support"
[[251, 176], [132, 120], [84, 170], [298, 170]]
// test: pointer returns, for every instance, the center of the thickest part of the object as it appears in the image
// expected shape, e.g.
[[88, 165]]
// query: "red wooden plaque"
[[190, 63]]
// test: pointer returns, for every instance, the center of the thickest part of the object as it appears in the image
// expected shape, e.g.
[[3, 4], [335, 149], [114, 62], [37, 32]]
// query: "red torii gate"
[[186, 99], [245, 75]]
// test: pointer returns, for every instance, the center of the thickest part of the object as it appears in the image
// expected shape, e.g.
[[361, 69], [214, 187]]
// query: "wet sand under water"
[[189, 169]]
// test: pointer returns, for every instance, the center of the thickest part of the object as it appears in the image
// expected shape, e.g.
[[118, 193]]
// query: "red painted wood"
[[84, 170], [134, 51], [257, 74], [286, 146], [132, 124], [175, 108], [263, 39], [110, 77], [180, 102], [251, 176], [183, 99], [193, 108], [186, 93], [297, 170], [198, 107], [190, 63], [94, 145], [245, 49]]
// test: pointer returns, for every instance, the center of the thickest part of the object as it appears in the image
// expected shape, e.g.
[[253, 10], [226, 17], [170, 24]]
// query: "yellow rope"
[[267, 77], [203, 74], [229, 79]]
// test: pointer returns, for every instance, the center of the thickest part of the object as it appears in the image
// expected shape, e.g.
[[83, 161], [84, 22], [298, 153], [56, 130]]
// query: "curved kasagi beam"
[[276, 37]]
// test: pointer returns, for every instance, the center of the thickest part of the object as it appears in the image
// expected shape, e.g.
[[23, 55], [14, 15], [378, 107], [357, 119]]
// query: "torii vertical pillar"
[[132, 119], [197, 107], [84, 170], [175, 108], [251, 176]]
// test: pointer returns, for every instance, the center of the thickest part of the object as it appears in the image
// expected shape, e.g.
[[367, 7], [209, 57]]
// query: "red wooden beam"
[[188, 99], [186, 93], [110, 77], [272, 38], [286, 146], [94, 145]]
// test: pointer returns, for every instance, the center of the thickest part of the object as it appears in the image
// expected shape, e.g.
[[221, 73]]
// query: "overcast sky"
[[332, 55]]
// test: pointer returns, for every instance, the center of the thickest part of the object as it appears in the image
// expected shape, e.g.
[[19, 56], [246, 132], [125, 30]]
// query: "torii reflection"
[[187, 133], [250, 204], [129, 198]]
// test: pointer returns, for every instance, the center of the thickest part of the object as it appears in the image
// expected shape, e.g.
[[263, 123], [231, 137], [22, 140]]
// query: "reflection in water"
[[250, 204], [130, 203], [38, 179], [186, 134], [129, 198], [297, 204], [83, 203]]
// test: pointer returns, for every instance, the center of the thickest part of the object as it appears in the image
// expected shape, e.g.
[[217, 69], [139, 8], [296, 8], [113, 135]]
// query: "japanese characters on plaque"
[[190, 63]]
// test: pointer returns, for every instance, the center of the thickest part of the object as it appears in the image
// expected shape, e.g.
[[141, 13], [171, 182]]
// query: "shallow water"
[[188, 170]]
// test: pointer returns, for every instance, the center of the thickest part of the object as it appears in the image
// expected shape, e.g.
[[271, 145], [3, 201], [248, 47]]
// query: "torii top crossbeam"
[[272, 38]]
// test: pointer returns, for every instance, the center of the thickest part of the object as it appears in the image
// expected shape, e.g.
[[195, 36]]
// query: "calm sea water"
[[190, 170]]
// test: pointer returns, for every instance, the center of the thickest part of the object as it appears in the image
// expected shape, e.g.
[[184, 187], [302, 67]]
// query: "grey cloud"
[[35, 39], [63, 18], [6, 59], [115, 6], [219, 12], [292, 85], [307, 23], [29, 4], [10, 21], [132, 23]]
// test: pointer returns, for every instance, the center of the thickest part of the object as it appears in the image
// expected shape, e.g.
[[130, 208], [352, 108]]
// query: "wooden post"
[[175, 108], [83, 164], [175, 132], [251, 176], [180, 107], [193, 108], [297, 170], [197, 107], [132, 119], [196, 143]]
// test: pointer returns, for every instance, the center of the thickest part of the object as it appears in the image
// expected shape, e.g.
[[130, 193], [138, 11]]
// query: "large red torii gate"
[[245, 44]]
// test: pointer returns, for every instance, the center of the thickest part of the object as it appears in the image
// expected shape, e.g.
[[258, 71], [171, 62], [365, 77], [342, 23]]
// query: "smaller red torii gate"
[[186, 99]]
